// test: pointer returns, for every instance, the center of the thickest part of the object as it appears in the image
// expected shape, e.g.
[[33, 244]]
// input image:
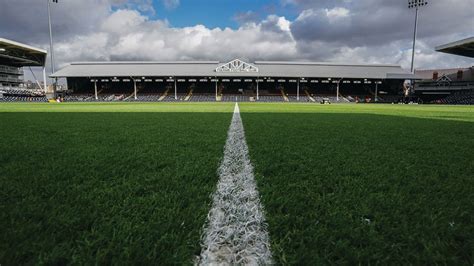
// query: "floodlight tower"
[[51, 42], [51, 34], [416, 4]]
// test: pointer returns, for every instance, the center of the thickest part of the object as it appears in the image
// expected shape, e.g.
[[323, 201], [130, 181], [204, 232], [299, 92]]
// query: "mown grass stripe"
[[236, 231]]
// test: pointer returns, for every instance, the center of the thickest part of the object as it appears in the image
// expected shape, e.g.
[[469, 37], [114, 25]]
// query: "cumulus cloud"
[[128, 35], [363, 31], [377, 22]]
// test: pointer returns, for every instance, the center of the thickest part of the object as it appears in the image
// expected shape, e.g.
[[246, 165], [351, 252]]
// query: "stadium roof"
[[235, 68], [463, 47], [18, 54]]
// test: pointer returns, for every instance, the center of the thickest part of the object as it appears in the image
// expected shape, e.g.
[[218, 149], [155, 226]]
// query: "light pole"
[[337, 89], [51, 42], [415, 4]]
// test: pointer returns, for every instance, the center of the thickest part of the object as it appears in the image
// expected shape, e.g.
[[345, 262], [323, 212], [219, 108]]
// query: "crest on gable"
[[237, 65], [444, 80]]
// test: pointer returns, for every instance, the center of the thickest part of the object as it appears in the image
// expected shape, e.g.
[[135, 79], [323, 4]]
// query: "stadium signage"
[[237, 65]]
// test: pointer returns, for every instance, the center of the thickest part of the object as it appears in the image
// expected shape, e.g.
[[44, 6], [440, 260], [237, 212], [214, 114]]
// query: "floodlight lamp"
[[417, 3]]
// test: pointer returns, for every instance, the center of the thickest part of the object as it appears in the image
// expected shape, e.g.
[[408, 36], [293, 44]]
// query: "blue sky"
[[219, 13]]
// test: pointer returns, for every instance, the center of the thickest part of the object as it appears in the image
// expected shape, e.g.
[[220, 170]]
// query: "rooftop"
[[463, 47], [17, 54], [234, 68]]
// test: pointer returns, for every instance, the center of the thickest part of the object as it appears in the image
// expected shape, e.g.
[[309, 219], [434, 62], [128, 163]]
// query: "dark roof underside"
[[19, 55], [463, 48]]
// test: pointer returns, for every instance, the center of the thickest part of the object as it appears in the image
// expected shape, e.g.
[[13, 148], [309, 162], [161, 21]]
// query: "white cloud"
[[122, 21], [337, 13], [128, 35], [284, 24]]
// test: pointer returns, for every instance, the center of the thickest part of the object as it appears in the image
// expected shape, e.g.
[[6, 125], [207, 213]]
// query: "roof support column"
[[175, 89], [45, 86], [298, 90], [95, 89], [337, 90], [216, 89], [135, 89], [257, 91]]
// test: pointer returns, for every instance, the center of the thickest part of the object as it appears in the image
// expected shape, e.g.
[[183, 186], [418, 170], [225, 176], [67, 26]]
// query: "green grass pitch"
[[127, 183]]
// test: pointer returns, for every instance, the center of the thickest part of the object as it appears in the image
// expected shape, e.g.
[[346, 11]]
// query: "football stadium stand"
[[237, 80], [445, 86], [448, 86], [19, 94], [13, 57]]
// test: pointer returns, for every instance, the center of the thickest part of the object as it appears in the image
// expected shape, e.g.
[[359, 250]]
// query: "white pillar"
[[257, 91], [135, 88], [216, 89], [55, 86], [95, 89], [414, 42], [298, 90], [337, 92], [175, 89], [45, 86]]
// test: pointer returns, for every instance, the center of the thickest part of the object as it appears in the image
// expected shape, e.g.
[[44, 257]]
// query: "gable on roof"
[[237, 65], [444, 78]]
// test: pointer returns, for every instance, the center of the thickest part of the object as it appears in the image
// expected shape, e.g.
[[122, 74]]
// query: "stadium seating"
[[91, 98], [171, 97], [203, 98], [270, 98], [78, 98], [17, 94], [144, 98], [20, 94], [462, 97], [23, 99], [235, 98]]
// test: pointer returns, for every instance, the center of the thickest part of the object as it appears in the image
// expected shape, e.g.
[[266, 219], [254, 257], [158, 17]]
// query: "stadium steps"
[[309, 96], [344, 98], [130, 96], [110, 98], [190, 94], [283, 94], [165, 94]]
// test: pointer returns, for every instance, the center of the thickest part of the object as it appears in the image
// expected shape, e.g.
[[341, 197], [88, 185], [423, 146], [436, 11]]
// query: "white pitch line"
[[236, 231]]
